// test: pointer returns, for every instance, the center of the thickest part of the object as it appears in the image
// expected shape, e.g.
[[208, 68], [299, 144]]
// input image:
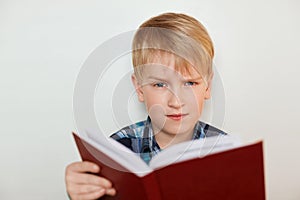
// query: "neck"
[[165, 140]]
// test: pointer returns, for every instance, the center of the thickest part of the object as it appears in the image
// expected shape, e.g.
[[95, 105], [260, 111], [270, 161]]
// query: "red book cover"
[[233, 174]]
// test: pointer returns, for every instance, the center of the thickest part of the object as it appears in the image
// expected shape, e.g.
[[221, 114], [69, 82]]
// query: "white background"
[[44, 43]]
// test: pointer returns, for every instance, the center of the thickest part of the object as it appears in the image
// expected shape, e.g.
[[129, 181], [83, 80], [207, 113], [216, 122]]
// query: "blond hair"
[[174, 33]]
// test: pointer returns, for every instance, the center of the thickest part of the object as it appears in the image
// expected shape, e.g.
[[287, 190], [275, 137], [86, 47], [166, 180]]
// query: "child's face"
[[174, 101]]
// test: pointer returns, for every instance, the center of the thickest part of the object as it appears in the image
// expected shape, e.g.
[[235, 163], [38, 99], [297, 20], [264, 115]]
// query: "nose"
[[174, 100]]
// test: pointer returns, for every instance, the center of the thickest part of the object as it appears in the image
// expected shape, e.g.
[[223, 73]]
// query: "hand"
[[84, 186]]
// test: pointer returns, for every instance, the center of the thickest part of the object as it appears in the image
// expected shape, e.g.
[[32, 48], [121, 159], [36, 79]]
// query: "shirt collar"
[[149, 139]]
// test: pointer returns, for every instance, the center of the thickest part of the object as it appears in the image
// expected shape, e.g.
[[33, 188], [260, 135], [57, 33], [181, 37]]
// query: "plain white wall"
[[44, 43]]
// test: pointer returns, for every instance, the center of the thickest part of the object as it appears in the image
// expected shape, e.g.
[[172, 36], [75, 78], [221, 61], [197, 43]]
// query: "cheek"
[[157, 115], [153, 98], [154, 103], [156, 110], [195, 100]]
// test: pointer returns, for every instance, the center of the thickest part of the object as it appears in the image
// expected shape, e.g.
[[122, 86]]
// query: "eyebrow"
[[194, 79], [156, 78], [183, 79]]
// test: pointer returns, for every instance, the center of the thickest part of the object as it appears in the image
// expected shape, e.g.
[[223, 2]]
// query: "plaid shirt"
[[140, 139]]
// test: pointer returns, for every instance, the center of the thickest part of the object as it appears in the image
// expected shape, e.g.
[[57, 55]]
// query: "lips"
[[176, 117]]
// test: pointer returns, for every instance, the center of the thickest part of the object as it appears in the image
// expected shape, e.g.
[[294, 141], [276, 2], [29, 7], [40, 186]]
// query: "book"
[[211, 168]]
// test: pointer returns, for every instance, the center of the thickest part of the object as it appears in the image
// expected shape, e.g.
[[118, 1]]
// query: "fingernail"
[[110, 191], [102, 190], [96, 167]]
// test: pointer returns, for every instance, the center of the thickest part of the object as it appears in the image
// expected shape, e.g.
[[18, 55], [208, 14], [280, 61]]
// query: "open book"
[[210, 168]]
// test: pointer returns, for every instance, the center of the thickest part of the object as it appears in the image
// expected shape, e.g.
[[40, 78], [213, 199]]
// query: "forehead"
[[165, 63]]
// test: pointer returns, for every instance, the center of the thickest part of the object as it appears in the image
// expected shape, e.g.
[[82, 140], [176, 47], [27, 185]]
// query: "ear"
[[207, 94], [138, 88]]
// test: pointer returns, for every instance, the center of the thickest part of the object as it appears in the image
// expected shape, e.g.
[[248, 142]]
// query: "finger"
[[84, 189], [89, 179], [111, 192], [89, 196], [83, 167]]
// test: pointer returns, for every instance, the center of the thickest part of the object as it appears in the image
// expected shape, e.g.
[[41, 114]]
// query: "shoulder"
[[209, 130], [132, 131], [131, 136]]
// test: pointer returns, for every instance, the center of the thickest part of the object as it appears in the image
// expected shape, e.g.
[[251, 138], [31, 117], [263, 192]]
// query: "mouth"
[[176, 117]]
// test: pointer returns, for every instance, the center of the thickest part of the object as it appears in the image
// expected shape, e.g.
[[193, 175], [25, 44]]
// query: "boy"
[[172, 58]]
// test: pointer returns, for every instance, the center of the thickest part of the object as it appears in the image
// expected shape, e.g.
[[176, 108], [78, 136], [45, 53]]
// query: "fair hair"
[[177, 34]]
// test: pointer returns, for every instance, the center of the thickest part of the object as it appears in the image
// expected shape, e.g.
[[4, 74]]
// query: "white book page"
[[118, 152], [194, 149]]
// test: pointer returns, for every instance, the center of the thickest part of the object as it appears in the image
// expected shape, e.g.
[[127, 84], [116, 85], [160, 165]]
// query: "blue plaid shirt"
[[140, 139]]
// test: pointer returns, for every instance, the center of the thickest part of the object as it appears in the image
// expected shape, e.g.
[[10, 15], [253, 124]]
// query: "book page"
[[117, 152], [194, 149]]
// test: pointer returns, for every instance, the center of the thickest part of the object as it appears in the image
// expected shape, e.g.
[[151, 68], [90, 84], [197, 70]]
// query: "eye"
[[190, 83], [160, 85]]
